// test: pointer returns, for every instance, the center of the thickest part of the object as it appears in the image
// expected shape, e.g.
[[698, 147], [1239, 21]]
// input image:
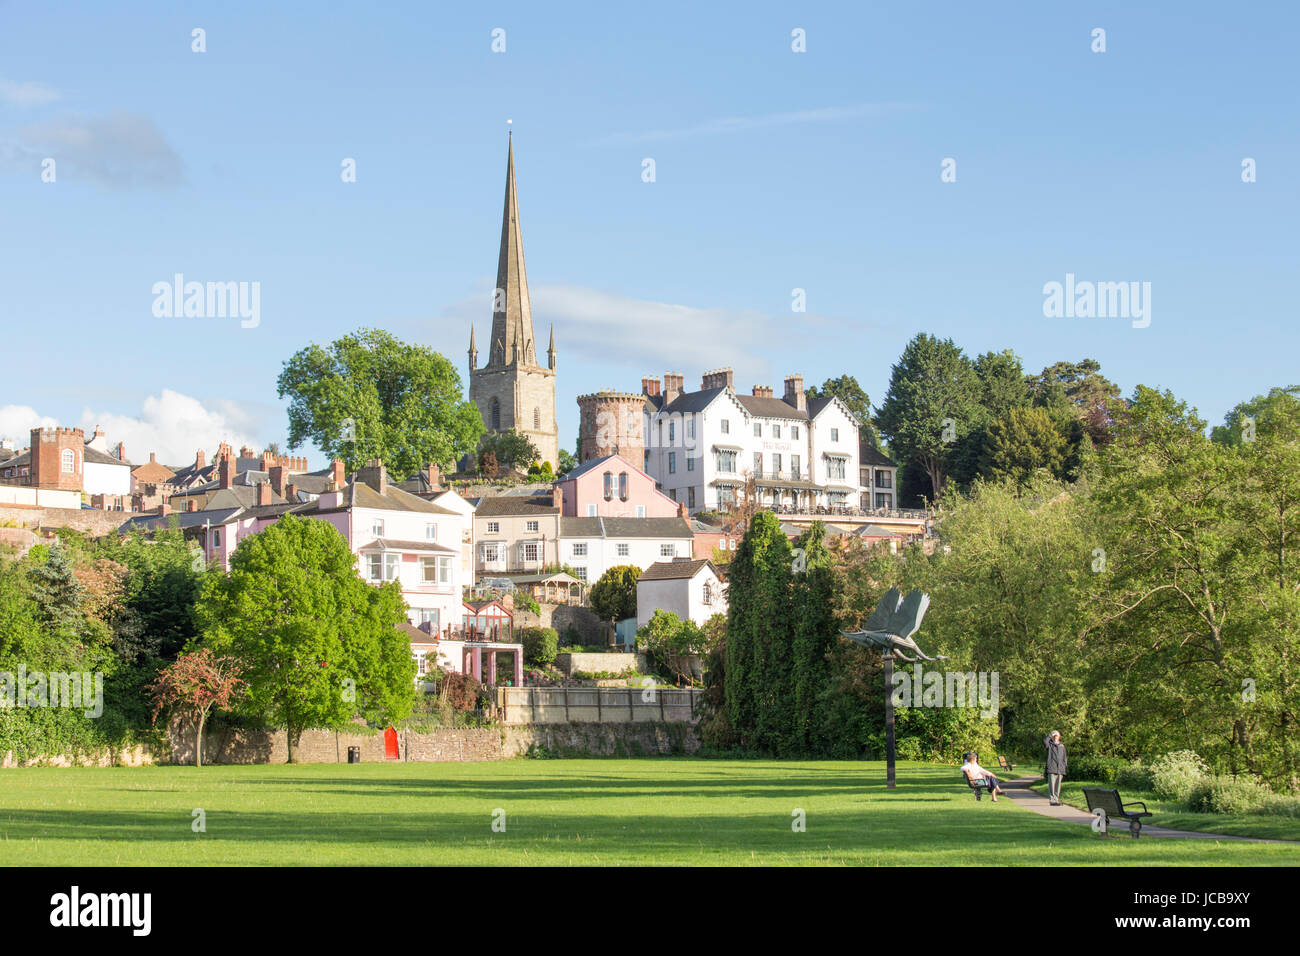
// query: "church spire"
[[473, 350], [550, 352], [512, 314]]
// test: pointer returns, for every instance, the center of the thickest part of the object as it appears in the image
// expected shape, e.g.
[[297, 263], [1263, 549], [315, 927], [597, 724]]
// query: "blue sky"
[[774, 170]]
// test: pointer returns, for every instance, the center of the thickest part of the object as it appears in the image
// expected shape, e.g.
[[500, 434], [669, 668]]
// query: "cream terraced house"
[[702, 446]]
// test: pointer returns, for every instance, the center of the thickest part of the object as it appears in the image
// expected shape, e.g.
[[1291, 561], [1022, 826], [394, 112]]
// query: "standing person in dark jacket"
[[1055, 766]]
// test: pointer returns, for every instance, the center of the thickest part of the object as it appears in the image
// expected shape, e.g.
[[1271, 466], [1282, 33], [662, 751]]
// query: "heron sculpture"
[[889, 630]]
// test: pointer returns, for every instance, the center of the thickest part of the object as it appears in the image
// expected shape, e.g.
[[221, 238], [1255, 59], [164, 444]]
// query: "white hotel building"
[[700, 447]]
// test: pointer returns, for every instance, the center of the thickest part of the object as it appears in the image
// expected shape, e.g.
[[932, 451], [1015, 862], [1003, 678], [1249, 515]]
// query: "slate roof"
[[361, 495], [689, 402], [675, 570], [625, 528], [763, 407], [96, 457], [388, 544], [869, 454], [504, 506], [876, 531]]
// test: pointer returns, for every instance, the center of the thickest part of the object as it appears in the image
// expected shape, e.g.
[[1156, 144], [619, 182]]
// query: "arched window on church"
[[537, 419], [496, 415]]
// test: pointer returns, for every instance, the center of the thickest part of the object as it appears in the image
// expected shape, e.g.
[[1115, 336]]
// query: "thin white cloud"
[[172, 425], [120, 150], [27, 94], [737, 124], [632, 336]]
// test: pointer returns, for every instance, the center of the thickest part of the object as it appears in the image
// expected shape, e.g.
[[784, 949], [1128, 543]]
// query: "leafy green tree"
[[541, 645], [1175, 617], [814, 633], [758, 663], [510, 447], [318, 644], [1002, 382], [674, 642], [848, 391], [1020, 443], [368, 395], [613, 596], [567, 462], [932, 406], [162, 587], [1241, 425]]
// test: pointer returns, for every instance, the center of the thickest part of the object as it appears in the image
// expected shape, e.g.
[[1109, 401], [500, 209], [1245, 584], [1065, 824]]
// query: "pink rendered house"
[[612, 487]]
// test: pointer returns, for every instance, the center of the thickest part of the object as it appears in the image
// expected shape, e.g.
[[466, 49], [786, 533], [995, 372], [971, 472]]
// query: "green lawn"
[[648, 811], [1178, 817]]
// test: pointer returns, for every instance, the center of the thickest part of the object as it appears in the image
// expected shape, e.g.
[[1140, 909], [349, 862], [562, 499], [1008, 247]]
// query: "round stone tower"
[[612, 423]]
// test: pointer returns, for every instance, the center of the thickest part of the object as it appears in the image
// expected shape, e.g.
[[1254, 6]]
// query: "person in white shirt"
[[981, 777]]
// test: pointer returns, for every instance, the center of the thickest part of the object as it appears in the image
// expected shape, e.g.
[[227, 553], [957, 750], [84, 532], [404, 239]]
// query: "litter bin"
[[354, 755]]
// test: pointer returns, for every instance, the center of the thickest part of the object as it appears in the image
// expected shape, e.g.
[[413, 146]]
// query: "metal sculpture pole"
[[889, 721], [889, 629]]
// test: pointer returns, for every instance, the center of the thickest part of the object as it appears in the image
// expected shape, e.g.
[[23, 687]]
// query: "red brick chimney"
[[650, 386], [121, 452], [263, 492], [336, 472], [291, 493], [682, 511], [557, 497], [225, 472], [268, 460], [435, 477], [200, 459], [277, 479]]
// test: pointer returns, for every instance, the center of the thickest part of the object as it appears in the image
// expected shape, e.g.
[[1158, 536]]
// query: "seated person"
[[981, 777]]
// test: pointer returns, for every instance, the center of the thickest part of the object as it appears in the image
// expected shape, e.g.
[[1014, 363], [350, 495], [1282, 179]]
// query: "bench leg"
[[1135, 828], [978, 794]]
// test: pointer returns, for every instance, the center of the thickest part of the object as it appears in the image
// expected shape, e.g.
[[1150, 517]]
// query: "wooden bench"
[[1008, 767], [1103, 798]]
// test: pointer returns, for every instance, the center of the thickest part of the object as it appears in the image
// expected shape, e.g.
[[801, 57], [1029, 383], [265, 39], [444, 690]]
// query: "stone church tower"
[[512, 390]]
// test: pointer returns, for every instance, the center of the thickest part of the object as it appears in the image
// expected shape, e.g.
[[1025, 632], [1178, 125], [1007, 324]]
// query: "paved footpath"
[[1019, 793]]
